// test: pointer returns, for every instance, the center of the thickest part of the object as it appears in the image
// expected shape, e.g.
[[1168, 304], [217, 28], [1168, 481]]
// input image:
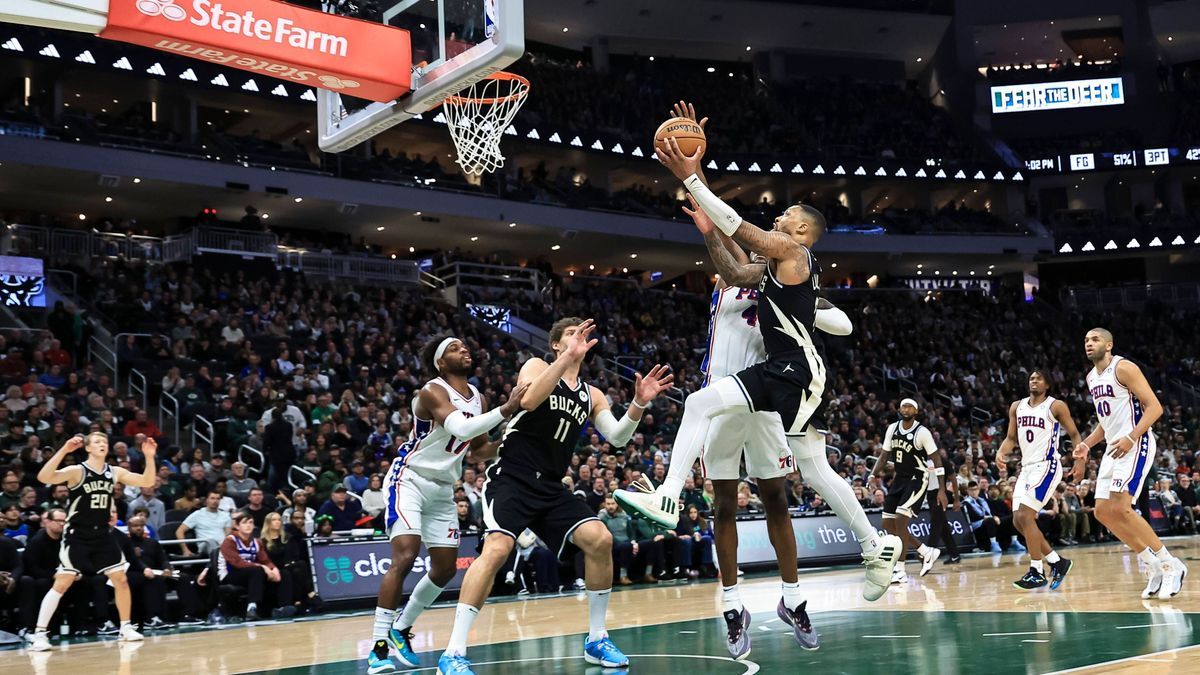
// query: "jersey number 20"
[[100, 501]]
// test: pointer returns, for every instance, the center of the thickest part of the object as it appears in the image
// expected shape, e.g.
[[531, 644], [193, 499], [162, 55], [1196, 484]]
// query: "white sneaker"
[[129, 634], [580, 585], [1153, 582], [40, 642], [880, 564], [929, 559], [643, 501], [899, 576], [1172, 579]]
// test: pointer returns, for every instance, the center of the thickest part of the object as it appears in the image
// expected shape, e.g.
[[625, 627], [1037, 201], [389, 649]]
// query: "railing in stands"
[[257, 463], [238, 242], [359, 267], [203, 430], [172, 412], [980, 415], [98, 352], [137, 386], [67, 276], [305, 477], [907, 386], [1134, 296], [496, 277]]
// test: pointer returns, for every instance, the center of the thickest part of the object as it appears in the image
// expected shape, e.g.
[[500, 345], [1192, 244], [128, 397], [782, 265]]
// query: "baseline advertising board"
[[828, 539], [352, 568]]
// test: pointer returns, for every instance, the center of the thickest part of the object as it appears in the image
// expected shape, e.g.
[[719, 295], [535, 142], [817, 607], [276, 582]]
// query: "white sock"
[[1052, 557], [923, 549], [835, 491], [792, 597], [1161, 554], [723, 396], [464, 616], [123, 624], [899, 566], [49, 606], [731, 599], [424, 595], [1037, 565], [1147, 556], [383, 621], [597, 611]]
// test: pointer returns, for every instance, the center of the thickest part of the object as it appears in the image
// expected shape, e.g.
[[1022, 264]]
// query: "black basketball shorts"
[[905, 494], [514, 499], [791, 384], [89, 550]]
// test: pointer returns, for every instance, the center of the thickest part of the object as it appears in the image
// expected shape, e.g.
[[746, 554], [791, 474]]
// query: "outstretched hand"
[[699, 217], [647, 388], [581, 341], [685, 109], [513, 404], [679, 164]]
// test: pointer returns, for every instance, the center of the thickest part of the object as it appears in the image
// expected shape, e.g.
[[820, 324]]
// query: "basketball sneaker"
[[1154, 579], [802, 628], [641, 500], [1172, 579], [604, 653], [880, 564], [402, 641], [899, 576], [1059, 572], [378, 660], [454, 664], [40, 642], [928, 560], [129, 634], [738, 641], [1032, 579]]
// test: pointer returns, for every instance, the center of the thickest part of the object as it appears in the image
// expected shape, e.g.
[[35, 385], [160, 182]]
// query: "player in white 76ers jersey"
[[734, 344], [1127, 408], [1035, 424], [448, 417]]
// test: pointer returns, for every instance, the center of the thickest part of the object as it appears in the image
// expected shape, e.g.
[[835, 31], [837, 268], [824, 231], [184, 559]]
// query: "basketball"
[[687, 133]]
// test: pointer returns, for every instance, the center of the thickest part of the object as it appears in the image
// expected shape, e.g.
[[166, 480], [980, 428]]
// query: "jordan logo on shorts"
[[787, 368]]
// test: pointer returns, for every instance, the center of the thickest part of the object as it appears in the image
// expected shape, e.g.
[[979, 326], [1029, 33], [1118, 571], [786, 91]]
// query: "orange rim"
[[500, 75]]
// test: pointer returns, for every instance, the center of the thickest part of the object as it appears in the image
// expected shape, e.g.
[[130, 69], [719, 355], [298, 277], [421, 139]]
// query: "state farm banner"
[[360, 58]]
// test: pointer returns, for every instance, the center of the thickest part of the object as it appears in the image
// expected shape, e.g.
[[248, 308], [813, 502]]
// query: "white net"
[[478, 116]]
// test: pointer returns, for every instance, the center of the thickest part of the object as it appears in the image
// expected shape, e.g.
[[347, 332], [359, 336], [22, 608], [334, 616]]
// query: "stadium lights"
[[82, 217], [555, 247], [833, 266], [108, 200], [624, 270], [412, 249], [298, 199], [511, 225], [475, 238], [633, 256], [699, 262], [711, 69], [393, 256], [265, 215], [379, 229], [137, 180]]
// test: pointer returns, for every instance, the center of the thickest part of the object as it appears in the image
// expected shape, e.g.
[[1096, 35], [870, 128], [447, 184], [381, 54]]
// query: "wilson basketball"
[[686, 133]]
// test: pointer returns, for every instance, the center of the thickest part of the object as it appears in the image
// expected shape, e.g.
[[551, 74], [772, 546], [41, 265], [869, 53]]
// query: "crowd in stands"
[[308, 388], [1071, 69]]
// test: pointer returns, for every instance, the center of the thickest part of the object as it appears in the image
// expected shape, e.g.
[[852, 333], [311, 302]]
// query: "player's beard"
[[907, 418], [458, 370]]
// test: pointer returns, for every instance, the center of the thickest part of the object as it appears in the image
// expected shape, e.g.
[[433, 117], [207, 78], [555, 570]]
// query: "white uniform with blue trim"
[[734, 344], [1119, 412], [420, 483], [1038, 435]]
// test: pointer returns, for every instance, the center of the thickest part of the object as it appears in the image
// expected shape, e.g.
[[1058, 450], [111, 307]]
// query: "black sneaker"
[[953, 561], [108, 628], [284, 612], [157, 624], [252, 614], [1032, 579], [1058, 572]]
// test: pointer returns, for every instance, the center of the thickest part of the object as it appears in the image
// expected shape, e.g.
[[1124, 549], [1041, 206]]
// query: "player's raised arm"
[[50, 474], [735, 272], [149, 472], [1129, 375], [645, 390], [832, 320], [436, 401], [542, 377], [1010, 439], [775, 245]]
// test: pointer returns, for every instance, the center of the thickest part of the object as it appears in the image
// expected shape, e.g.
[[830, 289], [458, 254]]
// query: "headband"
[[441, 349], [909, 401]]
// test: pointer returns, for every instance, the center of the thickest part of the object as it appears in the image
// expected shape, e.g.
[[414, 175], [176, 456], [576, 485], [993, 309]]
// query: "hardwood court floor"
[[959, 619]]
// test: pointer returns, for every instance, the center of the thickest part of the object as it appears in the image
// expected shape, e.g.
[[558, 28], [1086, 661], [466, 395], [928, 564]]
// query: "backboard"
[[455, 43]]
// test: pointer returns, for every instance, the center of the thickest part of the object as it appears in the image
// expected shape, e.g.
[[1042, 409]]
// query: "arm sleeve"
[[723, 216], [461, 426], [925, 441], [616, 432], [834, 321]]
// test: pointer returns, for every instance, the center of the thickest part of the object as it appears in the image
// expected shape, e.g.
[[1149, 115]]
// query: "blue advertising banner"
[[345, 569]]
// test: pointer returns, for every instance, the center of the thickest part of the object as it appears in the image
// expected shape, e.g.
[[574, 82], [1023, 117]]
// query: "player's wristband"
[[1131, 441], [723, 216], [939, 471], [637, 405]]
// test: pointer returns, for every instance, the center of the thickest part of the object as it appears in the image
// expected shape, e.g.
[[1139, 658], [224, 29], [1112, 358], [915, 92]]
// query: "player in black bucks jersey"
[[88, 547], [524, 487], [790, 382]]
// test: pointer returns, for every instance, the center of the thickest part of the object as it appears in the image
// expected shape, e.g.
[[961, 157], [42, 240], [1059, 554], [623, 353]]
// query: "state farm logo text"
[[279, 30], [280, 70]]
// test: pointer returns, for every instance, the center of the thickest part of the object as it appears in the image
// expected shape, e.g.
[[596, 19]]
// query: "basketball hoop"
[[478, 116]]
